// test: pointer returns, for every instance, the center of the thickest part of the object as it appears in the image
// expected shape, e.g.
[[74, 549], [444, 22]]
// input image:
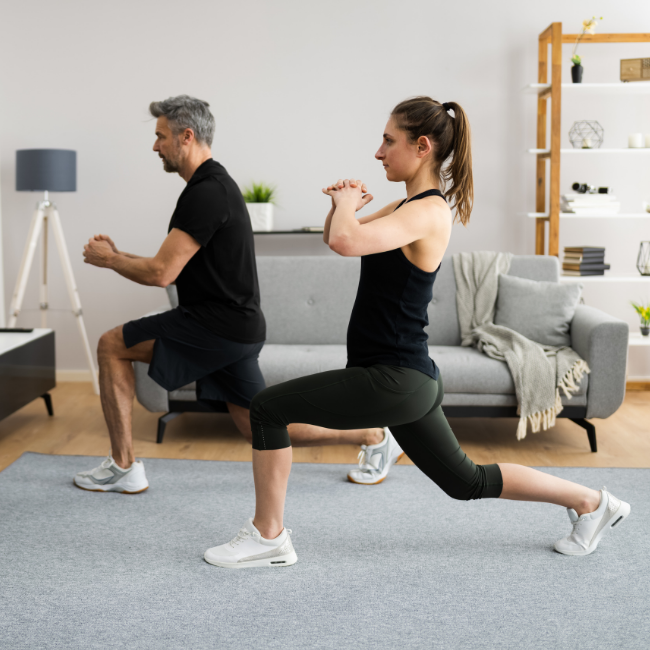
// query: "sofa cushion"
[[541, 311], [307, 300], [466, 370], [463, 370], [284, 362], [444, 328]]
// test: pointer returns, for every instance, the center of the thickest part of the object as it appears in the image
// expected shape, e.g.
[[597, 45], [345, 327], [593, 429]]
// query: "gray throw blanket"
[[539, 372]]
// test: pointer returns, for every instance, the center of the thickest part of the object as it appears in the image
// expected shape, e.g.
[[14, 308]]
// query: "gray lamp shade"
[[46, 170]]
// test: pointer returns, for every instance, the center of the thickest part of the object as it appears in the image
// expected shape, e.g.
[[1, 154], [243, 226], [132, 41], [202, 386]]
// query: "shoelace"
[[365, 464], [243, 535]]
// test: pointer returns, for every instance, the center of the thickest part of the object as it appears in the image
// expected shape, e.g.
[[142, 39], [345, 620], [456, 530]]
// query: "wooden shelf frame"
[[552, 36]]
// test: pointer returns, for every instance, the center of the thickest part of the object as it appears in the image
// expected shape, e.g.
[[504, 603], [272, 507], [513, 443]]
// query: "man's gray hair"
[[185, 112]]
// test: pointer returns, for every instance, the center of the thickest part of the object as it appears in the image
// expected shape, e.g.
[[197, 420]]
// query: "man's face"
[[168, 146]]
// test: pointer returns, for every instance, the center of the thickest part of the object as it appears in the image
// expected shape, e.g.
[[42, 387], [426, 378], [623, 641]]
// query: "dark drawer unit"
[[27, 372]]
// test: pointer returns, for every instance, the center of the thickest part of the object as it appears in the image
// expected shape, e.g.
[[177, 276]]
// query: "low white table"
[[27, 369]]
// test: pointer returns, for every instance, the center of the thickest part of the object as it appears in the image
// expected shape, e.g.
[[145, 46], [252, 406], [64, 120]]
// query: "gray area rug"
[[398, 565]]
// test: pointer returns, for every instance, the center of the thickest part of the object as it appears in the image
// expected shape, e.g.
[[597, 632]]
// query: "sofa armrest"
[[601, 340]]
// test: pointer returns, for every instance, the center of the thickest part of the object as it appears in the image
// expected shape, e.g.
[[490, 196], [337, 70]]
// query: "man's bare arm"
[[159, 271], [111, 243]]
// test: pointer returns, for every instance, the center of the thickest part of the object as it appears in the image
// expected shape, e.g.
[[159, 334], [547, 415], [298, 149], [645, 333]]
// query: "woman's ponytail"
[[451, 138], [459, 171]]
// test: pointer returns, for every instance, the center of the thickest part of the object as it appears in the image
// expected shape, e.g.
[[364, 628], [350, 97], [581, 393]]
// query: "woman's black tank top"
[[390, 311]]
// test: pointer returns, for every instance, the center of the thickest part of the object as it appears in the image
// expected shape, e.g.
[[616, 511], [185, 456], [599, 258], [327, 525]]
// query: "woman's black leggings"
[[403, 399]]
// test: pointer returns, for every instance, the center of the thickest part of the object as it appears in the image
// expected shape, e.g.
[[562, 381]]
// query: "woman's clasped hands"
[[350, 191]]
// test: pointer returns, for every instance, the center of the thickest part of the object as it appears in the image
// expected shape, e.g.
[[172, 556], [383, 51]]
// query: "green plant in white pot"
[[644, 315], [259, 199]]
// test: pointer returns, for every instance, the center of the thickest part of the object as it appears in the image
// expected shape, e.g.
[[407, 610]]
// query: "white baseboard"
[[73, 375]]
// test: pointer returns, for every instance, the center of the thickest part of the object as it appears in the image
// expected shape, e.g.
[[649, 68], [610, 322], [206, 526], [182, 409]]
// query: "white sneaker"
[[250, 549], [108, 477], [375, 461], [589, 528]]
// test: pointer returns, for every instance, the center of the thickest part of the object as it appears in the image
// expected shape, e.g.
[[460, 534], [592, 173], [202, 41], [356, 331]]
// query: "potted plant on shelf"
[[259, 199], [588, 27], [644, 315]]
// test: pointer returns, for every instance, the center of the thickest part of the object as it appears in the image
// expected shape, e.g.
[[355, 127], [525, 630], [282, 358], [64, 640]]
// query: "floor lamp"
[[48, 170]]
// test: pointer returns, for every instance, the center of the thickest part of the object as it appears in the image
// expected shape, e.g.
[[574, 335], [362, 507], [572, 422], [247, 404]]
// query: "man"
[[215, 336]]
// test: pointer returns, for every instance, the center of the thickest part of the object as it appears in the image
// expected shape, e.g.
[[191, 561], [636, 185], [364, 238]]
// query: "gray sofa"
[[307, 303]]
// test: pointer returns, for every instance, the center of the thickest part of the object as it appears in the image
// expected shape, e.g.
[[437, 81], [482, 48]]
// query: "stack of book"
[[589, 205], [584, 260]]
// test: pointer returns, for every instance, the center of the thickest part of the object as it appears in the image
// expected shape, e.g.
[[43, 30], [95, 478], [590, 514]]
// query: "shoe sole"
[[268, 563], [621, 515], [108, 489], [382, 478]]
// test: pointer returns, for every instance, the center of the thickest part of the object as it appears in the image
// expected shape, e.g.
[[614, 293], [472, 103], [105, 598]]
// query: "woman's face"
[[398, 156]]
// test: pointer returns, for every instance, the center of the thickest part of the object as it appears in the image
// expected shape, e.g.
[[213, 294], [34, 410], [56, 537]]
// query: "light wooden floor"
[[78, 428]]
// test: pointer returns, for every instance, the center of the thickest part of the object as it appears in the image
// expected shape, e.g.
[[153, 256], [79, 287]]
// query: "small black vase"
[[576, 74], [645, 331]]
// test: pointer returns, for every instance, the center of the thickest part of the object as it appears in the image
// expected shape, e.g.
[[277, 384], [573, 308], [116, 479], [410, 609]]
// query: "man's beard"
[[171, 165]]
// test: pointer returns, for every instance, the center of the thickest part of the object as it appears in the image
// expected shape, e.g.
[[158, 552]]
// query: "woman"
[[390, 379]]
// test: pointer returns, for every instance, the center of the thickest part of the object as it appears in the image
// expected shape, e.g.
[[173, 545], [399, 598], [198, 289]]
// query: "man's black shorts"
[[185, 351]]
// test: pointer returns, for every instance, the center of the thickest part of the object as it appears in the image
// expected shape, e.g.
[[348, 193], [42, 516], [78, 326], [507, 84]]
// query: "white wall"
[[301, 91]]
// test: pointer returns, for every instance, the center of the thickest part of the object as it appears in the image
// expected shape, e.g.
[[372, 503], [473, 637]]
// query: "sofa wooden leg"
[[591, 431], [162, 424]]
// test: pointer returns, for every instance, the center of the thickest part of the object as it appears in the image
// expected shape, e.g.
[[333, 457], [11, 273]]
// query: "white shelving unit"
[[616, 88], [570, 215], [593, 152], [604, 278], [637, 340], [549, 153]]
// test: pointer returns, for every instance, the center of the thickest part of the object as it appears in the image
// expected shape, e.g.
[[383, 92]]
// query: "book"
[[585, 266], [575, 205], [593, 198], [582, 273], [586, 253], [597, 255], [583, 260], [590, 212], [583, 249]]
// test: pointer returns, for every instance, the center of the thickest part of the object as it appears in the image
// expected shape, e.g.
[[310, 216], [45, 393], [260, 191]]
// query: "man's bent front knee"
[[110, 343]]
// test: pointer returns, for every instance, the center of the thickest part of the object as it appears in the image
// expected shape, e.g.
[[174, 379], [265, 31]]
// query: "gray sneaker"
[[109, 477], [375, 461]]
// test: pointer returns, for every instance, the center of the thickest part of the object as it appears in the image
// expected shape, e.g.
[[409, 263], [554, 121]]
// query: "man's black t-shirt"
[[219, 286]]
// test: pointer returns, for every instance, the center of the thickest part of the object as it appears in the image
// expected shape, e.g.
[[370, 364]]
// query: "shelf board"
[[640, 150], [604, 278], [637, 339], [630, 88], [570, 215]]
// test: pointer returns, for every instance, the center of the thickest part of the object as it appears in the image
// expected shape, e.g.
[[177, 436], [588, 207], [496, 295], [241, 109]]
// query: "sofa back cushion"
[[444, 328], [541, 311], [308, 300]]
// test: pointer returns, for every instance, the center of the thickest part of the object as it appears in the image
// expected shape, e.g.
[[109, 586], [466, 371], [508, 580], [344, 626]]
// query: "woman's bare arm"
[[350, 237], [364, 198]]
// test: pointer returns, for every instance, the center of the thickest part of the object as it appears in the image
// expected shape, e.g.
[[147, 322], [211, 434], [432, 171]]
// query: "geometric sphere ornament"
[[587, 134], [643, 259]]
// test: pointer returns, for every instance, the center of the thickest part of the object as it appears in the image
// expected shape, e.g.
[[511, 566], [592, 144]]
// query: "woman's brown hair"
[[449, 135]]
